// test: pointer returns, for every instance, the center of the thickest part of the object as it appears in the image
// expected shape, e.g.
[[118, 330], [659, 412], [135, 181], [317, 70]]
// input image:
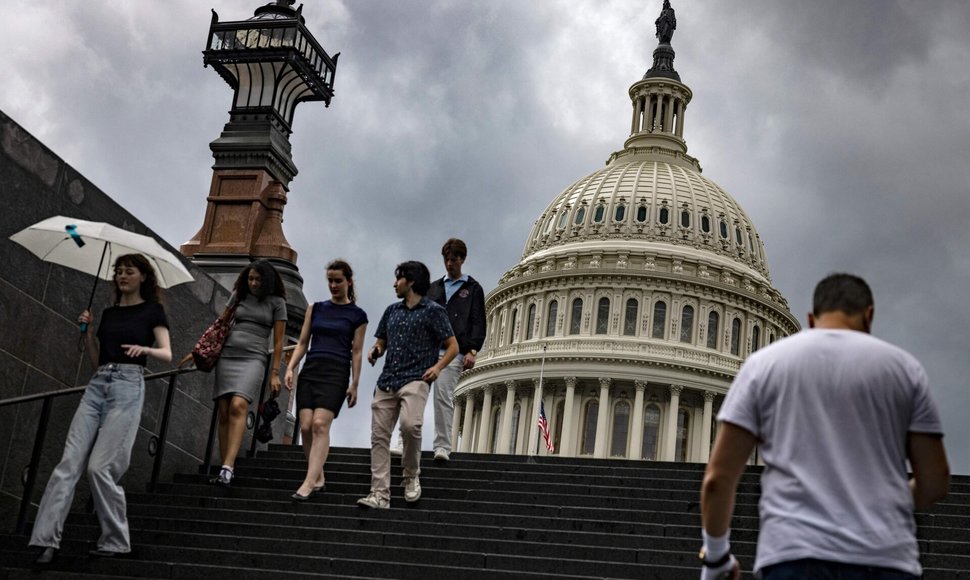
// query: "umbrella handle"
[[84, 325]]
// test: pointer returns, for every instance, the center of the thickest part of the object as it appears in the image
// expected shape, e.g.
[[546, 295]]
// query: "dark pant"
[[823, 570]]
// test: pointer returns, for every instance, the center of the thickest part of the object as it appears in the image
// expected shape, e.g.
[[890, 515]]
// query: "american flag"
[[544, 427]]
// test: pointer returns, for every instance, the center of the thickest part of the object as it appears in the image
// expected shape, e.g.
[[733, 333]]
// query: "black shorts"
[[323, 384]]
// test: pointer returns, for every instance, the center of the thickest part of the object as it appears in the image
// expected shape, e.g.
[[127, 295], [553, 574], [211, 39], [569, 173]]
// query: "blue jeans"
[[824, 570], [99, 441]]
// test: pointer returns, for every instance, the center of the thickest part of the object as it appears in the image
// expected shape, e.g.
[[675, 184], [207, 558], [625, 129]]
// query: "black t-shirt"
[[128, 325]]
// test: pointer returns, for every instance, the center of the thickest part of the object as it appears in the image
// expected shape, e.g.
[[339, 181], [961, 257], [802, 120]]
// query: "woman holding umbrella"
[[260, 308], [103, 430]]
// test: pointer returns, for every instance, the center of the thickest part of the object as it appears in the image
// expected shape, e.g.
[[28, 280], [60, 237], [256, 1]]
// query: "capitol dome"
[[641, 289]]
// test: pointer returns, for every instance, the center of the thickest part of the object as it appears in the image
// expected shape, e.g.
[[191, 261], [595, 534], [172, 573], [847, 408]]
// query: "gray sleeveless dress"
[[242, 365]]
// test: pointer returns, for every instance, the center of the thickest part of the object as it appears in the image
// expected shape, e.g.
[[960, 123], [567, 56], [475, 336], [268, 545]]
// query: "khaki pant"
[[408, 404]]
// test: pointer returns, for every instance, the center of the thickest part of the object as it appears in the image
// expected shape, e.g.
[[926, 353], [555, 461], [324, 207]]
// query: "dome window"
[[737, 237], [620, 213], [562, 219], [551, 320], [736, 336], [713, 321], [599, 213], [576, 320], [683, 423], [513, 320], [723, 227], [580, 215], [642, 213], [530, 321], [651, 432], [664, 215], [685, 218], [659, 319], [705, 224], [687, 324], [621, 428], [603, 316], [630, 317], [549, 223], [755, 338]]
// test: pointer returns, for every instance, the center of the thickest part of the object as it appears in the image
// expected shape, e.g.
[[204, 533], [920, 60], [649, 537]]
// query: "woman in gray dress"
[[260, 302]]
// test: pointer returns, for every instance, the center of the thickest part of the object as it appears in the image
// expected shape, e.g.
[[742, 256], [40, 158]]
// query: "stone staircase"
[[480, 516]]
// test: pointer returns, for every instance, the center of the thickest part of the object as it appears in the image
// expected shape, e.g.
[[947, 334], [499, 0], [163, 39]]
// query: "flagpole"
[[535, 408]]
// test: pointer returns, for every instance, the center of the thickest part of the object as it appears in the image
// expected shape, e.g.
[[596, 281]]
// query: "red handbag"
[[206, 352]]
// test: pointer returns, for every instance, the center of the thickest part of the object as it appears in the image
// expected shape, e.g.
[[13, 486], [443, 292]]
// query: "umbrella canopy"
[[91, 247]]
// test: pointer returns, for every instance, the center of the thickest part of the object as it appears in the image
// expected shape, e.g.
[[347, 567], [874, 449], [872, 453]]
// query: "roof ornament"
[[666, 23], [663, 55]]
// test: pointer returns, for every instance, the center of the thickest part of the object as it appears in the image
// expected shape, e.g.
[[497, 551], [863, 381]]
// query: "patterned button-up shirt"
[[412, 338]]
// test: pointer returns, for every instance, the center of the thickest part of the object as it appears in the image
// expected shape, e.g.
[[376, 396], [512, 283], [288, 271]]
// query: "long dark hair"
[[348, 272], [148, 290], [270, 282]]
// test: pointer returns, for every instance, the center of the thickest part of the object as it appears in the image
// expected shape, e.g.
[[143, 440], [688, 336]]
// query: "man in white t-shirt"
[[835, 413]]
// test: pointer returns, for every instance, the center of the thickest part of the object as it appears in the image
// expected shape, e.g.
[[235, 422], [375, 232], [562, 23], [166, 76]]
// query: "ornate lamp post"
[[272, 63]]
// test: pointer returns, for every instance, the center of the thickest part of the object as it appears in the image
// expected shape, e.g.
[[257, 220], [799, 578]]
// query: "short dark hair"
[[841, 292], [417, 274], [454, 247]]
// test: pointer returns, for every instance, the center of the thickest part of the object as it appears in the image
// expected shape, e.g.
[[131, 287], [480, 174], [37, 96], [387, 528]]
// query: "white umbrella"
[[91, 247]]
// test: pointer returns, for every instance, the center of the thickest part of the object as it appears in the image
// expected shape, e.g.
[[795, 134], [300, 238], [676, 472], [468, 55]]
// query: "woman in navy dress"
[[332, 370]]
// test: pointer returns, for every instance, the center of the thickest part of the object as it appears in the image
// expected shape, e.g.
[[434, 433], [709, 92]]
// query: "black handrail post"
[[208, 444], [296, 425], [162, 434], [262, 393], [45, 415]]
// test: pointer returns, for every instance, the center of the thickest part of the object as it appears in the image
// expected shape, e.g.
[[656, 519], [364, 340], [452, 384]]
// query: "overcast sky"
[[841, 127]]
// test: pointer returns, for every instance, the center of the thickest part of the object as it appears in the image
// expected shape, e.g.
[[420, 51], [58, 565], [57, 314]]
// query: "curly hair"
[[271, 284], [348, 272], [149, 290]]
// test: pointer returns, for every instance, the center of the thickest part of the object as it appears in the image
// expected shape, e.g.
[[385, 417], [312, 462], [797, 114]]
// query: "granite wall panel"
[[39, 304]]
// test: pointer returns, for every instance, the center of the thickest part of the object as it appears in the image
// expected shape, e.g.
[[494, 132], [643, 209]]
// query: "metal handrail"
[[41, 433], [162, 436]]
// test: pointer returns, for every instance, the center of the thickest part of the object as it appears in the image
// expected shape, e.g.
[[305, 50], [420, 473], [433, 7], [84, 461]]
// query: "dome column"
[[670, 437], [679, 131], [522, 444], [506, 434], [486, 420], [456, 424], [706, 426], [466, 440], [636, 433], [567, 441], [602, 418], [533, 421]]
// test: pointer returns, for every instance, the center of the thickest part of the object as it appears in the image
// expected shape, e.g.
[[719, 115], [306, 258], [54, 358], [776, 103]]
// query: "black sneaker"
[[45, 556]]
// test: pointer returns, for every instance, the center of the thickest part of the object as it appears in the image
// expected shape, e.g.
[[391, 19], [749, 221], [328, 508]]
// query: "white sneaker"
[[412, 489], [441, 456], [397, 451], [376, 502]]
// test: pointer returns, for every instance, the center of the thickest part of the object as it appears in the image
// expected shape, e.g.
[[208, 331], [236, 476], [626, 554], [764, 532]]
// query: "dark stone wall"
[[39, 339]]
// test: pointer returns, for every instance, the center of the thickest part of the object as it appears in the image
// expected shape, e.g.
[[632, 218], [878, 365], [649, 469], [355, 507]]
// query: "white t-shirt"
[[831, 409]]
